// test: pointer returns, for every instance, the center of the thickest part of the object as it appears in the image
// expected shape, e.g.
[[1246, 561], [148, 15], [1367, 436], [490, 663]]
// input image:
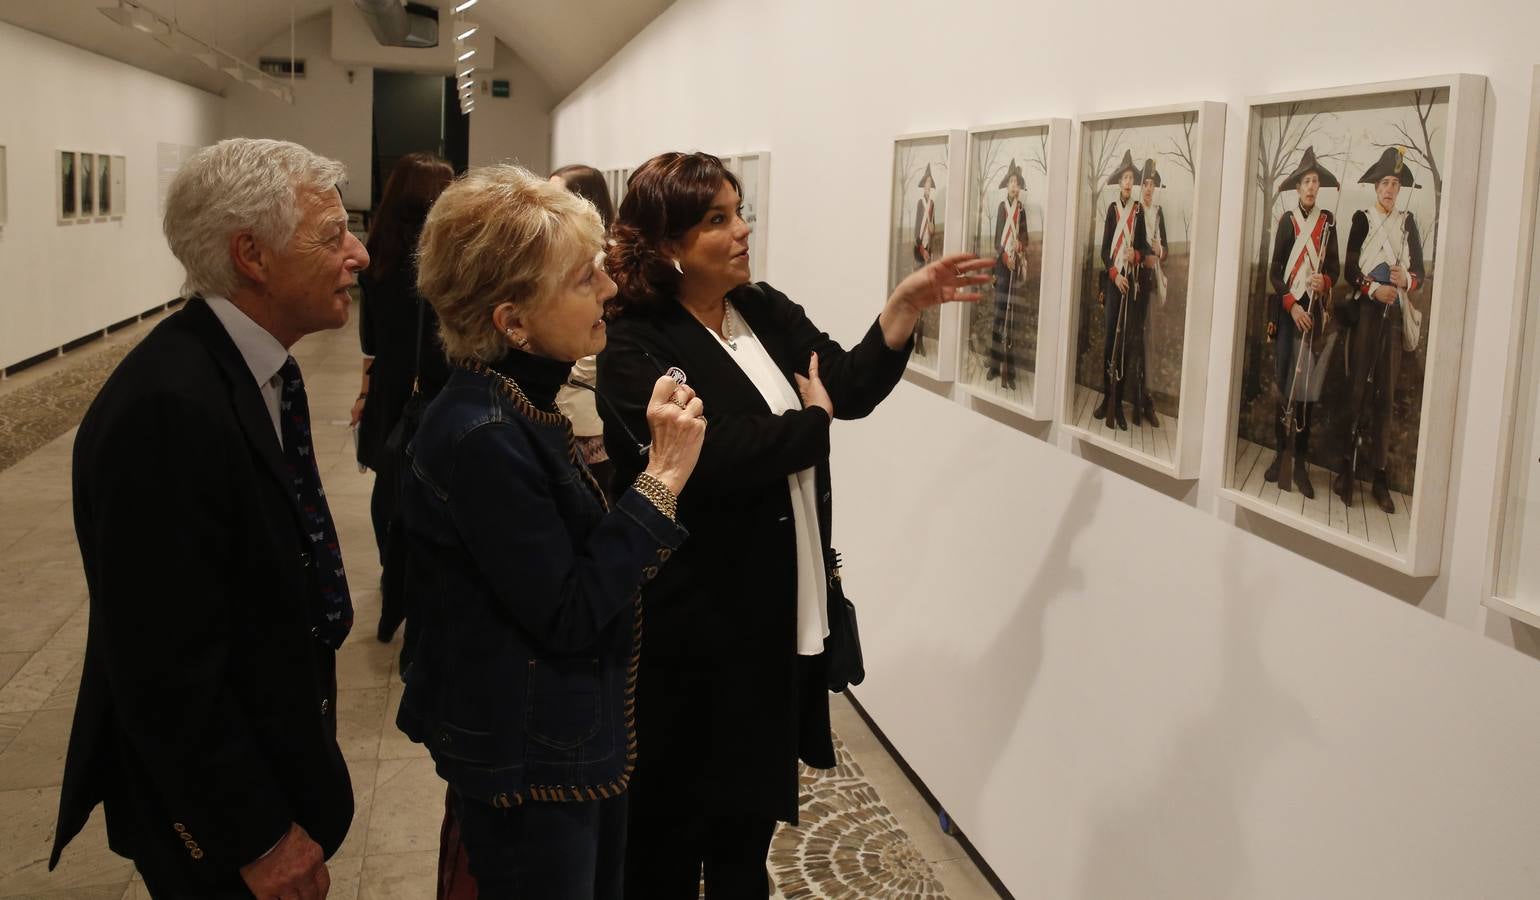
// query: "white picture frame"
[[1174, 447], [935, 351], [1410, 540], [1506, 589], [67, 186], [1045, 165], [753, 173], [119, 186]]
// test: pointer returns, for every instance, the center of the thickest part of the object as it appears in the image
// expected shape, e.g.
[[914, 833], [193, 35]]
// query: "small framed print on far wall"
[[68, 189]]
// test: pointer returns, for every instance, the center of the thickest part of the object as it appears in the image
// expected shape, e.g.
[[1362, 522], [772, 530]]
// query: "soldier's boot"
[[1272, 471], [1342, 485], [1381, 491]]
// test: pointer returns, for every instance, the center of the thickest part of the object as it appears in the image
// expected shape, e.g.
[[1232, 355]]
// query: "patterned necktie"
[[334, 613]]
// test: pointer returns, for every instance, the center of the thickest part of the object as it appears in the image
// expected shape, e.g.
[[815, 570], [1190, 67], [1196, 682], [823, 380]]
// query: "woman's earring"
[[518, 340], [677, 267]]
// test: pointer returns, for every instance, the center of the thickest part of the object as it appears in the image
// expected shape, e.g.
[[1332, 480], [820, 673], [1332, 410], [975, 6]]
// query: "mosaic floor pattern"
[[35, 414]]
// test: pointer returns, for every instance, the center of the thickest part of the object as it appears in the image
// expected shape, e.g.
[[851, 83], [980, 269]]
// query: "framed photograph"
[[753, 171], [118, 190], [1355, 247], [1513, 580], [69, 195], [103, 185], [1136, 331], [87, 163], [928, 172], [1015, 213]]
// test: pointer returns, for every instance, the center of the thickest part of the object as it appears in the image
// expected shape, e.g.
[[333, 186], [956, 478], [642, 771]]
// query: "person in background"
[[733, 684], [524, 581], [399, 335], [207, 719], [576, 403]]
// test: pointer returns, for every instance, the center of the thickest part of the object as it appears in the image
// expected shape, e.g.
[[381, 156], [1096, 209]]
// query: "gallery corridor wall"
[[61, 282], [1117, 684]]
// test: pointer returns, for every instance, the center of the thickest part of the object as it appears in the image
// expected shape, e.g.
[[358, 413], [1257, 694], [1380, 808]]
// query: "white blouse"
[[812, 588]]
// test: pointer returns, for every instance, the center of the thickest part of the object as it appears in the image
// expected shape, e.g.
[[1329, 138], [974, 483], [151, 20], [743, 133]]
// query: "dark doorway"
[[415, 113]]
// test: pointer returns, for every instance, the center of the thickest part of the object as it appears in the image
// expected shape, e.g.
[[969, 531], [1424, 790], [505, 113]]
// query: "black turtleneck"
[[538, 376]]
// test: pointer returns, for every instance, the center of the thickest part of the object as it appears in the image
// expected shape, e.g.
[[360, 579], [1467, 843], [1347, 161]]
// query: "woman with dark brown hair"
[[398, 332], [732, 688]]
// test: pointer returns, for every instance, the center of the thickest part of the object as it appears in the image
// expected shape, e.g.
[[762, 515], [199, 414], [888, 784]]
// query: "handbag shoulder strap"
[[417, 348]]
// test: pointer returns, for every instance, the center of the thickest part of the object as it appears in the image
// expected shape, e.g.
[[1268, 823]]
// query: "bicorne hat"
[[1013, 169], [1150, 173], [1308, 164], [1391, 162], [926, 180], [1127, 165]]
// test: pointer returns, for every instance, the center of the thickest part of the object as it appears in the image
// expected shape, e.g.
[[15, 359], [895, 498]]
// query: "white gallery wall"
[[333, 111], [61, 282], [1118, 685], [515, 128]]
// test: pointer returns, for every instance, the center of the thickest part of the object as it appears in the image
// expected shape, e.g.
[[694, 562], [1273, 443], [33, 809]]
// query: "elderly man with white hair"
[[207, 720]]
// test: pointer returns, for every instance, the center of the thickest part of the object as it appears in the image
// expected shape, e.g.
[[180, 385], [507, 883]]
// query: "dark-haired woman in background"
[[575, 403], [388, 329], [732, 689]]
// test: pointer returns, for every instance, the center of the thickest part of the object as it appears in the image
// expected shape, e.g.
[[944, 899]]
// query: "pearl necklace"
[[727, 325]]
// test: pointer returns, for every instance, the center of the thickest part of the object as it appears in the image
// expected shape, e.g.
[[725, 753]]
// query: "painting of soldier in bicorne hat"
[[1005, 218], [1343, 208], [917, 233], [1135, 193]]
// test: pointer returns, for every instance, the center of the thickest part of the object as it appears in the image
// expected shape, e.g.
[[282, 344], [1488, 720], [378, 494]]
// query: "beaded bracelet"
[[658, 494]]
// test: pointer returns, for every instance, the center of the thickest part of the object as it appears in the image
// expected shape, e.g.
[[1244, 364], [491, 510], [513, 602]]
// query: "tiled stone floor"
[[866, 832]]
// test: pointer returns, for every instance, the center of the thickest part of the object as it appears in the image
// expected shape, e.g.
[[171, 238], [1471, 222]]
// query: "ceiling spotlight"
[[465, 71], [467, 32], [132, 15], [467, 85], [466, 55], [464, 6]]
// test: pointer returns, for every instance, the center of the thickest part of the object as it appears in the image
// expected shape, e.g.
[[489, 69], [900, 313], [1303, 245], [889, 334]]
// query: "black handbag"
[[842, 648], [411, 412]]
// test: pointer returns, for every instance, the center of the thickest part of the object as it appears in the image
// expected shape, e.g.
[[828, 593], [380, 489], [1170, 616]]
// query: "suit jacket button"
[[664, 553], [180, 828], [651, 572], [196, 853], [326, 705]]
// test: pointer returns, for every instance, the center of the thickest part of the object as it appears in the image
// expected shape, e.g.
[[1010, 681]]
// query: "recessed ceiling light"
[[464, 6], [467, 32], [466, 55]]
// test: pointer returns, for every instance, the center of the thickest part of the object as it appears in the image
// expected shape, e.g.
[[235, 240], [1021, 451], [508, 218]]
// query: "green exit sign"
[[500, 88]]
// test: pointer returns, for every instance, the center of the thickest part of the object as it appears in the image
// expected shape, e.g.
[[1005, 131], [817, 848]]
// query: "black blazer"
[[725, 605], [387, 329], [206, 721]]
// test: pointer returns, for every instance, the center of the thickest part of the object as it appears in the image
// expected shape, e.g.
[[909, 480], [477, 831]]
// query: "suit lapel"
[[246, 397], [714, 372]]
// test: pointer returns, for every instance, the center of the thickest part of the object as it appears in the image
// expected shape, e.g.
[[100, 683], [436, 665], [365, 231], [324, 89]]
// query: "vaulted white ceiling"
[[564, 41]]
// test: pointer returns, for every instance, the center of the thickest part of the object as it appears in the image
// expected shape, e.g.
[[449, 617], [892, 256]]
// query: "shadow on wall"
[[1175, 488], [1018, 645], [1418, 591], [1183, 837]]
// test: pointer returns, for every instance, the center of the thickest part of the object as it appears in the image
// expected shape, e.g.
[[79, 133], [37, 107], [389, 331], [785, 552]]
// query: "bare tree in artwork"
[[1186, 156], [1419, 141], [984, 172], [1101, 155]]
